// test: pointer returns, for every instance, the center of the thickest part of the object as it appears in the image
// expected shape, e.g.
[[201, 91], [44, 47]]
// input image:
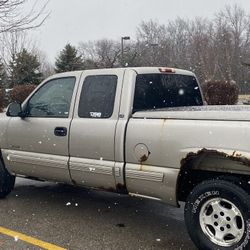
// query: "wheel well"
[[1, 156], [206, 166]]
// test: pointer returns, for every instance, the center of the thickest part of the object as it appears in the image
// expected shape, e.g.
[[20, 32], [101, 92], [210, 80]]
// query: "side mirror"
[[15, 110]]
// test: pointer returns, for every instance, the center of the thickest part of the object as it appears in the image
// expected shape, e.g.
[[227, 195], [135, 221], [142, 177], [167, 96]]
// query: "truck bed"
[[213, 112]]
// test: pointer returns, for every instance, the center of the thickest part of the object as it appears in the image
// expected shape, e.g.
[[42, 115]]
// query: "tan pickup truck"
[[138, 131]]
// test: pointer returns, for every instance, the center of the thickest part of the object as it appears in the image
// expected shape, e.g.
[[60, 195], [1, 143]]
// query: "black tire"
[[7, 181], [212, 216]]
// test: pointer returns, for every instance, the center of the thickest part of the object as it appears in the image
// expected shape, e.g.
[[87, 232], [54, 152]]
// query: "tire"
[[7, 181], [217, 216]]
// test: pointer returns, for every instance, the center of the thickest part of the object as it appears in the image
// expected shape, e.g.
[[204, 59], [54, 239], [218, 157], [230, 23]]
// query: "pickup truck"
[[139, 131]]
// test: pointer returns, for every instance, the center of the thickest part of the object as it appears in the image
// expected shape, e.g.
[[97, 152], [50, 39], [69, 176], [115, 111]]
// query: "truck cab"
[[73, 125]]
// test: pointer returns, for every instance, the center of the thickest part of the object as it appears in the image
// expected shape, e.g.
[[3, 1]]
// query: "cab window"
[[53, 99], [98, 96]]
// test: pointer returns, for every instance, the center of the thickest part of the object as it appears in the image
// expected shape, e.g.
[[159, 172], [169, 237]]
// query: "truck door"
[[92, 137], [38, 143]]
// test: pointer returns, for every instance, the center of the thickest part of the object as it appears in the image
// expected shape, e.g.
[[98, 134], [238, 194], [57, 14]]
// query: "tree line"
[[215, 49]]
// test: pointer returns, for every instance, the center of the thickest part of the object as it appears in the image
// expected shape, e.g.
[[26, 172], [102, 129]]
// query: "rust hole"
[[143, 158], [234, 157]]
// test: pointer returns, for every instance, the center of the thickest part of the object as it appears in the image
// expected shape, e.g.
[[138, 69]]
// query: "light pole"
[[122, 49]]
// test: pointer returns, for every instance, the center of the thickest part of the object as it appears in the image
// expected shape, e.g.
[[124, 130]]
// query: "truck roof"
[[138, 70], [147, 70]]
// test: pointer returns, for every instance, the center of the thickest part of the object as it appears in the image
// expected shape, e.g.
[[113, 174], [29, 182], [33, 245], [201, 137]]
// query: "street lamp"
[[122, 49]]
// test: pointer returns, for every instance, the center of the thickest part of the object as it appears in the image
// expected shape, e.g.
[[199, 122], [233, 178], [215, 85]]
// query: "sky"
[[77, 21]]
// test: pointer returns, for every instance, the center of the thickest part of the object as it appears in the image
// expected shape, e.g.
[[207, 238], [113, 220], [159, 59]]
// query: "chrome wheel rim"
[[222, 222]]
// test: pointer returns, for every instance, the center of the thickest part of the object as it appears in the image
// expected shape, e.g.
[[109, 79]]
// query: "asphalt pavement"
[[76, 218]]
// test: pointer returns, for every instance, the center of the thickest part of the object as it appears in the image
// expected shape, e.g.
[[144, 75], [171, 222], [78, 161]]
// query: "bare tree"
[[16, 17], [108, 52], [46, 67], [151, 32], [13, 43], [101, 53], [215, 49], [151, 43], [88, 50], [200, 53], [13, 17], [233, 34]]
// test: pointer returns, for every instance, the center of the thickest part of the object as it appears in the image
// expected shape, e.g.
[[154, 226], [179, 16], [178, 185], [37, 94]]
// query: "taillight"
[[167, 70]]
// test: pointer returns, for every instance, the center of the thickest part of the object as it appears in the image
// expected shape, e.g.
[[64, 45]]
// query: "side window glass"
[[156, 91], [53, 99], [98, 96]]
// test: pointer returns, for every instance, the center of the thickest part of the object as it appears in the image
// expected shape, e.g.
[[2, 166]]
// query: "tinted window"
[[154, 91], [98, 96], [53, 99]]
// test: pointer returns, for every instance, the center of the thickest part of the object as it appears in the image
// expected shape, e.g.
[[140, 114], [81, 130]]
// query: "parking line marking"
[[29, 239]]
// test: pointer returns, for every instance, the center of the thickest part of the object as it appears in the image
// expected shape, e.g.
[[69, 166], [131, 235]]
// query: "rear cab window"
[[157, 91], [98, 96]]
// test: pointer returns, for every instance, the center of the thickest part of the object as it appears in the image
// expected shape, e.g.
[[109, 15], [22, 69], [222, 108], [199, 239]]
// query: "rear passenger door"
[[92, 138]]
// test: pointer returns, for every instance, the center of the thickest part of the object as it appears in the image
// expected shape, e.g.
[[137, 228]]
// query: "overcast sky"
[[83, 20]]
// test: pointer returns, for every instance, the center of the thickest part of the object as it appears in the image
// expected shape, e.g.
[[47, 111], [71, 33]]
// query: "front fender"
[[4, 121]]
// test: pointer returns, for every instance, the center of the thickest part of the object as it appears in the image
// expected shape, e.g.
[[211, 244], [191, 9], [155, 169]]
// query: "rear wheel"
[[217, 215], [7, 181]]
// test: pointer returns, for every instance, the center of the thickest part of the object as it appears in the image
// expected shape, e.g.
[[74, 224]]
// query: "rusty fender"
[[237, 157]]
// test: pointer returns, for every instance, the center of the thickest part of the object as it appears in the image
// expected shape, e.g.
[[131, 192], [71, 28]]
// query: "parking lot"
[[38, 215]]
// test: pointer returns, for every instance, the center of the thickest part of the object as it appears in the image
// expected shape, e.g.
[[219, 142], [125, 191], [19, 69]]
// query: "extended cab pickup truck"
[[139, 131]]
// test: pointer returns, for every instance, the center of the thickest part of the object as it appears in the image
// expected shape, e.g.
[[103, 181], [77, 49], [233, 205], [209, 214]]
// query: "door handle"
[[60, 131]]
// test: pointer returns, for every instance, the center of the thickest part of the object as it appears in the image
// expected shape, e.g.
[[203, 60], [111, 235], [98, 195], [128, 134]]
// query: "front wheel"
[[7, 181], [217, 215]]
